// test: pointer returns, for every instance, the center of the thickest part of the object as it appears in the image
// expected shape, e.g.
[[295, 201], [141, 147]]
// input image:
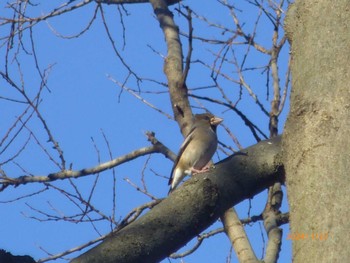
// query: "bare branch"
[[115, 49], [270, 214], [121, 2], [21, 18], [72, 250], [34, 103], [160, 147], [79, 34], [122, 86], [190, 49], [248, 38], [26, 196], [114, 179], [282, 219], [239, 239], [247, 122], [173, 66], [144, 191], [200, 240], [65, 174], [286, 87]]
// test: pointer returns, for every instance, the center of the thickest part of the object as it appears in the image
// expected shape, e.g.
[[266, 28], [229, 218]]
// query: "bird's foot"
[[203, 170]]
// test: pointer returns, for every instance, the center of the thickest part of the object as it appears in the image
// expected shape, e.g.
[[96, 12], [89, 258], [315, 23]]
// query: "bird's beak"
[[215, 121]]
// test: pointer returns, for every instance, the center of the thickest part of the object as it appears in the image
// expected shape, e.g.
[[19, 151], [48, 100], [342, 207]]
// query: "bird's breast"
[[202, 151]]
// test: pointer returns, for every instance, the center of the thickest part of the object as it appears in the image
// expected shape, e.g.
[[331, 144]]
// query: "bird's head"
[[207, 119]]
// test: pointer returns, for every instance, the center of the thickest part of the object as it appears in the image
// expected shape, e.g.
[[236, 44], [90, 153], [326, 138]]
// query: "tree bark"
[[193, 207], [316, 142], [6, 257], [173, 66]]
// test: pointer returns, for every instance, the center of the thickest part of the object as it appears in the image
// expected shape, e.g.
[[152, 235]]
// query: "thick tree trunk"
[[316, 142], [192, 207]]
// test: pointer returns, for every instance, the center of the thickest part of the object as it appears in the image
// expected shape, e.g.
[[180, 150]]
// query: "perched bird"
[[197, 149]]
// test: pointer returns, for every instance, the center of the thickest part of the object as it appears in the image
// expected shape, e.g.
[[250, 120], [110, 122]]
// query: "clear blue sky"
[[83, 102]]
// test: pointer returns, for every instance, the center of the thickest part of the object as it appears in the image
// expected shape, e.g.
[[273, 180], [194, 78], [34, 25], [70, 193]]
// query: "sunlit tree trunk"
[[316, 140]]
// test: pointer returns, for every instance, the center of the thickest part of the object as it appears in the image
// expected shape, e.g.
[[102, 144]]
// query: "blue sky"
[[83, 106]]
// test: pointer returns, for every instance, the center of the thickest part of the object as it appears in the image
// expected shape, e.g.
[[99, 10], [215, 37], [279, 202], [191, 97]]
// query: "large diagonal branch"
[[193, 207]]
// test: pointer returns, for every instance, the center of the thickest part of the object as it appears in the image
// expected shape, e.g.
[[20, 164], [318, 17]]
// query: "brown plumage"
[[197, 149]]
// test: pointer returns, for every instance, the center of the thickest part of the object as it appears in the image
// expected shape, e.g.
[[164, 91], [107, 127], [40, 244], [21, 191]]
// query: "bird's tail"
[[175, 179]]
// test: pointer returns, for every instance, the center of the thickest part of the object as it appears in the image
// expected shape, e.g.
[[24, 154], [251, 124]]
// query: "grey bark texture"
[[316, 141], [192, 207]]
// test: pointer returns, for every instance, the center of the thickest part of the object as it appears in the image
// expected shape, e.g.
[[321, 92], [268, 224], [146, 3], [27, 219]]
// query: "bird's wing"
[[182, 149]]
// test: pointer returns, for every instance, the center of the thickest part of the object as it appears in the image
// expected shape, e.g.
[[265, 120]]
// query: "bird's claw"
[[203, 170]]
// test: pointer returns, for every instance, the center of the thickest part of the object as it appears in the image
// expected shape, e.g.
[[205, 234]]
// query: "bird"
[[197, 149]]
